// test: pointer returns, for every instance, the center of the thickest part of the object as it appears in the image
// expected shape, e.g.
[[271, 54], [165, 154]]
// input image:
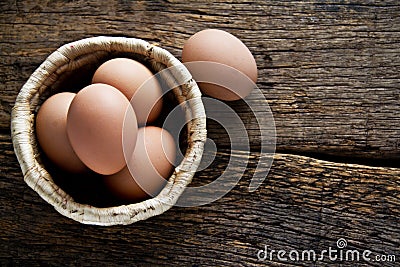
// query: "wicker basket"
[[71, 57]]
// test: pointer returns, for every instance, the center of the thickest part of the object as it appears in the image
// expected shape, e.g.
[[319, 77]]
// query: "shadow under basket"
[[88, 54]]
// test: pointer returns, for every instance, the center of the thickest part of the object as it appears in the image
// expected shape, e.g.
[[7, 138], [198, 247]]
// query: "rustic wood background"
[[330, 72]]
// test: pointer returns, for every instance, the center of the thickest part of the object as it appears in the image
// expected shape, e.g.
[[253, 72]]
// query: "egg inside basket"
[[71, 67]]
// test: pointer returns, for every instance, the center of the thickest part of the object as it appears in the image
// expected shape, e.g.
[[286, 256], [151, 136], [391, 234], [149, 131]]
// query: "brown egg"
[[151, 163], [51, 131], [217, 80], [136, 82], [95, 125]]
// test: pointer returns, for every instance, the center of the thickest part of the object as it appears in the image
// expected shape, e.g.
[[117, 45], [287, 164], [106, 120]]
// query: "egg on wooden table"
[[136, 82], [51, 132], [98, 117], [234, 73], [152, 162]]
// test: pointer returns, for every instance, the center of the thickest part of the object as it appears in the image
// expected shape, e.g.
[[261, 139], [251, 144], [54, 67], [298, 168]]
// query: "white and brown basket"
[[71, 57]]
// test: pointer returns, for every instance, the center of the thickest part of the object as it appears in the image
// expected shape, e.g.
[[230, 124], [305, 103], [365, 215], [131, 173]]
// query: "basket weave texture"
[[69, 58]]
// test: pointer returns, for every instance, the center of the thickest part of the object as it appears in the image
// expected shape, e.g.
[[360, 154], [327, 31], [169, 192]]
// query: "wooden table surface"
[[330, 73]]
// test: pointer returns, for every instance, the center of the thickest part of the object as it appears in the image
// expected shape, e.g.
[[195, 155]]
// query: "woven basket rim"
[[66, 58]]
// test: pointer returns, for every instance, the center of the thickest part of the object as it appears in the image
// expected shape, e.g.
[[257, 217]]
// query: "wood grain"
[[303, 204], [321, 63], [329, 72]]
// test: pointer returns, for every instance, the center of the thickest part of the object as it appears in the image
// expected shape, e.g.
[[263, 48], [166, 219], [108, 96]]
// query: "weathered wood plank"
[[328, 69], [303, 204]]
